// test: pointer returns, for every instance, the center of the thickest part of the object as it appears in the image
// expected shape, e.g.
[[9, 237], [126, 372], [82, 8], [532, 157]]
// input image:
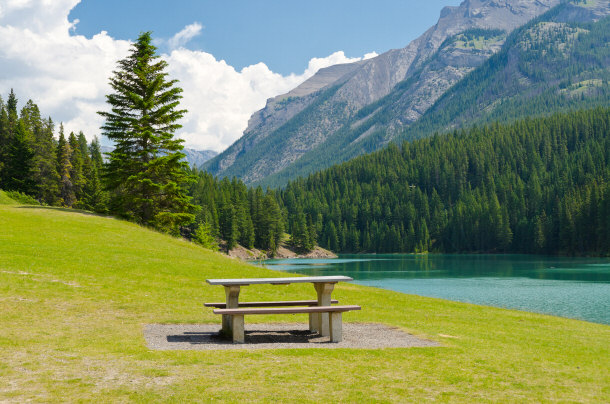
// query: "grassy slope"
[[4, 199], [76, 291]]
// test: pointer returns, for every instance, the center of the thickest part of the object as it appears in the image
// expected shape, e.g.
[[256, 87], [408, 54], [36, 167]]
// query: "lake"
[[568, 287]]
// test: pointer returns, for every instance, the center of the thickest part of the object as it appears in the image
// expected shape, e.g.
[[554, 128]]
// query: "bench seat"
[[335, 321], [223, 305]]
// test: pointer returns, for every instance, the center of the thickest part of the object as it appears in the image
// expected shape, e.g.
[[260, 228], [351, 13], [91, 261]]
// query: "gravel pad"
[[278, 336]]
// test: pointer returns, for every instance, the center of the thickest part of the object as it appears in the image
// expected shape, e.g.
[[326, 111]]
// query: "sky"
[[230, 56]]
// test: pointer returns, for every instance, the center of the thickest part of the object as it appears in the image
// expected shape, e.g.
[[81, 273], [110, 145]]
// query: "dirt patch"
[[278, 336]]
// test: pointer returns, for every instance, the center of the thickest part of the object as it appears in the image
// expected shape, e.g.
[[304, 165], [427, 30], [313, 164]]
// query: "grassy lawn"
[[76, 291]]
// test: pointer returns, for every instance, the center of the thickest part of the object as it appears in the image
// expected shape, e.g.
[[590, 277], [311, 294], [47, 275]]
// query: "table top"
[[279, 281]]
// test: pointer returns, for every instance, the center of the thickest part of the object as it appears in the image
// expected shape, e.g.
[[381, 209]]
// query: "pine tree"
[[204, 237], [94, 196], [228, 224], [77, 175], [46, 175], [95, 151], [8, 122], [299, 235], [19, 168], [11, 107], [246, 231], [64, 168], [146, 174], [3, 137]]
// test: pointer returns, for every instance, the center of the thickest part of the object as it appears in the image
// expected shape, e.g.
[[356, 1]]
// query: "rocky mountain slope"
[[198, 157], [306, 118], [193, 157], [556, 62]]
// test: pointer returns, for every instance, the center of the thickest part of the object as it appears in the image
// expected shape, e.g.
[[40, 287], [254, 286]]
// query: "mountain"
[[198, 157], [303, 120], [536, 185], [557, 62], [193, 157]]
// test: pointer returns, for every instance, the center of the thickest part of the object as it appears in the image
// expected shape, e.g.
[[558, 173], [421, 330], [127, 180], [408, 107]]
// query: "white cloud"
[[186, 34], [370, 55], [67, 75], [220, 99]]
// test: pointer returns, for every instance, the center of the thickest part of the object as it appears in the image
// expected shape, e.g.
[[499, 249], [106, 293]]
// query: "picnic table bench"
[[323, 317]]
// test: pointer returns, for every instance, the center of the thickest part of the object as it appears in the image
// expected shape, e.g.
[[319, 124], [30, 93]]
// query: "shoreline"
[[282, 252]]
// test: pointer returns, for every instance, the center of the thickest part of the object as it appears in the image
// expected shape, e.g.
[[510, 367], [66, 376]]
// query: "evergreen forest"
[[39, 164], [39, 168], [533, 186]]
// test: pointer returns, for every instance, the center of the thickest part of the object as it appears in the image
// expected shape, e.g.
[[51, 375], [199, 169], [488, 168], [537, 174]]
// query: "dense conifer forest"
[[232, 212], [40, 164], [40, 168], [535, 186]]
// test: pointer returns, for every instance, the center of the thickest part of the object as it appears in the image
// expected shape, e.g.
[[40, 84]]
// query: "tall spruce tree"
[[77, 175], [20, 163], [146, 173], [8, 122], [95, 151], [3, 137], [64, 168], [46, 175]]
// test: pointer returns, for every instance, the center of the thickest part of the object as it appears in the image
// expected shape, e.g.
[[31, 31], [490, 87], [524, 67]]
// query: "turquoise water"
[[568, 287]]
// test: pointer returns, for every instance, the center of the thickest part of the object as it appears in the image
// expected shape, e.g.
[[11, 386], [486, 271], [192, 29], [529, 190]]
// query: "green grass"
[[4, 199], [76, 291]]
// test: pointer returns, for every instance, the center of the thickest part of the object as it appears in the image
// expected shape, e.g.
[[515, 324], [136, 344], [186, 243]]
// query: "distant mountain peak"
[[193, 157], [332, 109]]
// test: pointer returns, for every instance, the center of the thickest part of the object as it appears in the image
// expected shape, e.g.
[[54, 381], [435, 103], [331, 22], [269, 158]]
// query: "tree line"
[[145, 178], [535, 186], [236, 214], [57, 172]]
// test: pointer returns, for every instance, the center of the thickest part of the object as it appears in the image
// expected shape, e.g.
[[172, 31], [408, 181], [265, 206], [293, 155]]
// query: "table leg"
[[232, 294], [237, 325], [313, 322], [324, 290], [336, 329]]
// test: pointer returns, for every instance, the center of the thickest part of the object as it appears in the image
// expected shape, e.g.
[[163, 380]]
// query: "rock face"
[[554, 63], [198, 157], [328, 107], [193, 157]]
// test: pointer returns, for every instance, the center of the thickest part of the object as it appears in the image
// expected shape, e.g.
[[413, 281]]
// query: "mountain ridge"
[[365, 83], [193, 157], [374, 121]]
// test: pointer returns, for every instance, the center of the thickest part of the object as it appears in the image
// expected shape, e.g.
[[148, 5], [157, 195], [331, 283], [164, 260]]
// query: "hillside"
[[76, 291], [5, 199], [557, 62], [72, 317], [534, 186], [293, 125]]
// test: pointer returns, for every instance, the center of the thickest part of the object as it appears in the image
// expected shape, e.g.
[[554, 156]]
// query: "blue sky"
[[284, 35], [229, 56]]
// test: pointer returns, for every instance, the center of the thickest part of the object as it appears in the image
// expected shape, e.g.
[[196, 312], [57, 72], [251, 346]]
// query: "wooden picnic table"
[[318, 321]]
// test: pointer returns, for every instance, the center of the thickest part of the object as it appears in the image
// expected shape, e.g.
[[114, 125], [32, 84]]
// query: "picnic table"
[[323, 317]]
